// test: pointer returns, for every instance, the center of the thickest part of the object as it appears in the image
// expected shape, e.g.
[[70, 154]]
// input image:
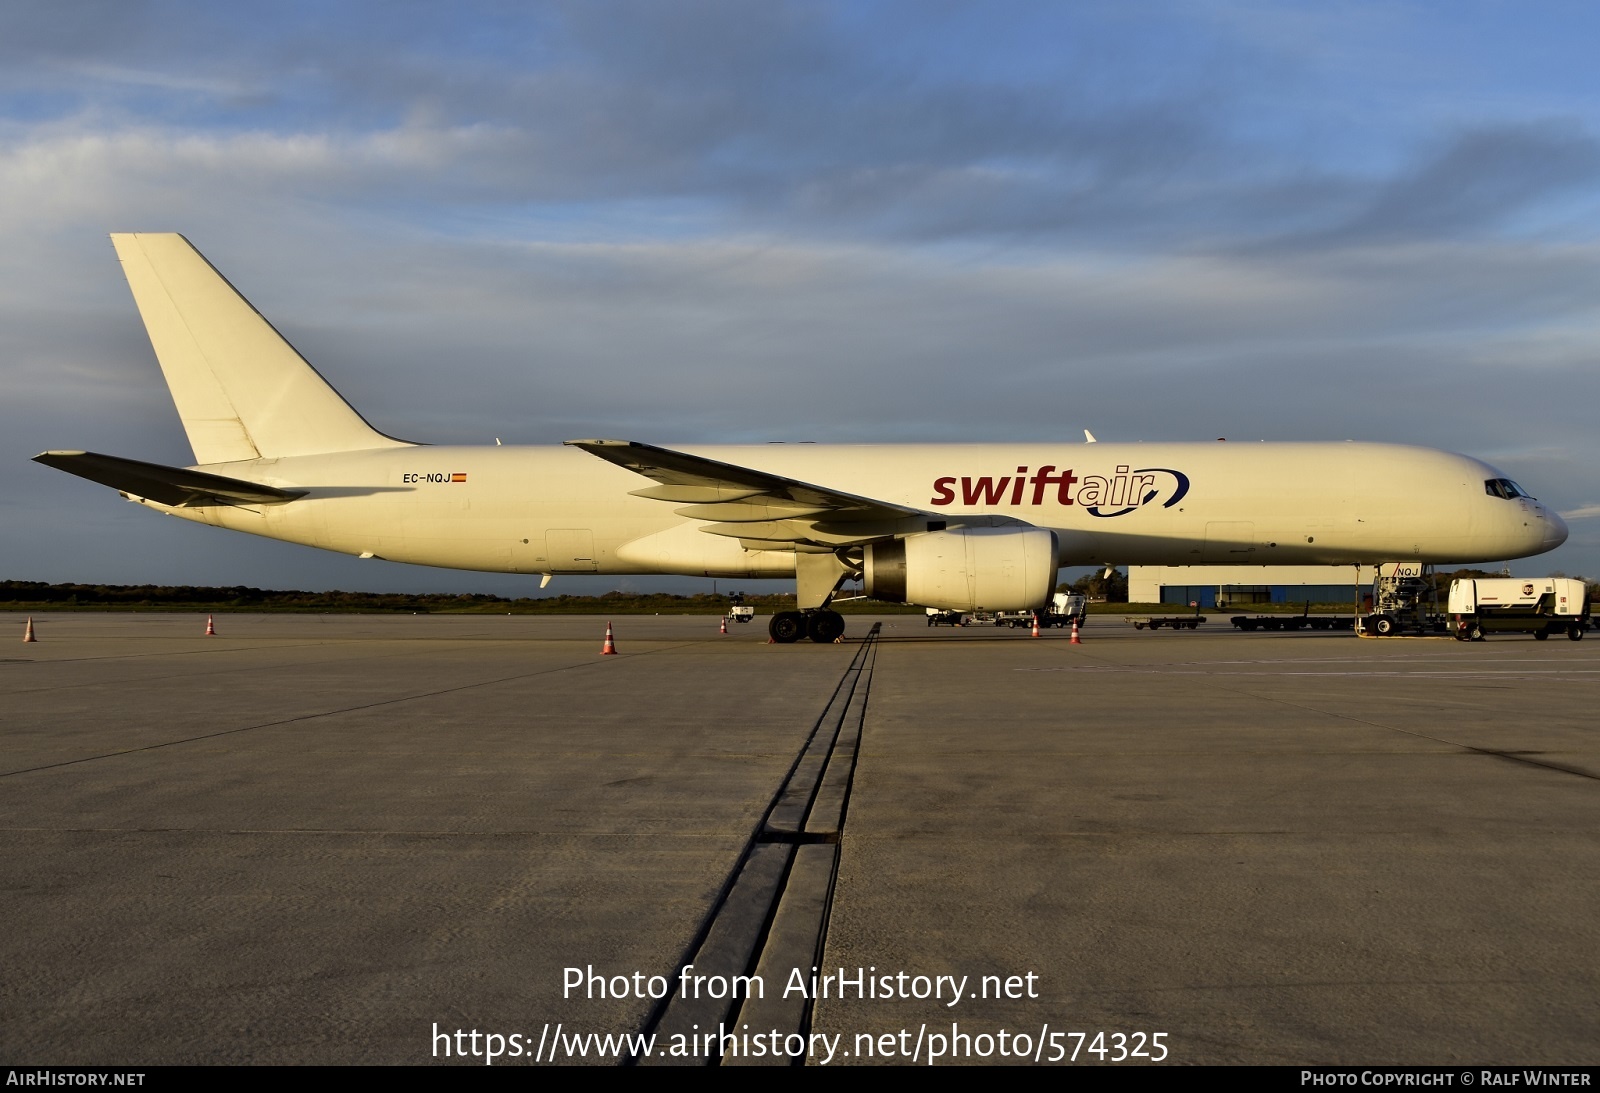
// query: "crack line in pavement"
[[325, 713], [1512, 756]]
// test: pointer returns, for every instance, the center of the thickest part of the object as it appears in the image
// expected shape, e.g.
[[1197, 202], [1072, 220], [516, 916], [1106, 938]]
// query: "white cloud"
[[630, 233]]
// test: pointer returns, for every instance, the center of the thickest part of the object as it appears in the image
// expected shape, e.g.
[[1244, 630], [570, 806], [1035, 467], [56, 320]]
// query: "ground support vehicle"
[[1063, 610], [1177, 622], [1404, 602], [1540, 606], [1303, 621], [1065, 607], [741, 613]]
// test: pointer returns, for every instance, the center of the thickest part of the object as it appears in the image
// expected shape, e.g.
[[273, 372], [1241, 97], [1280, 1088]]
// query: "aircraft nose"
[[1555, 530]]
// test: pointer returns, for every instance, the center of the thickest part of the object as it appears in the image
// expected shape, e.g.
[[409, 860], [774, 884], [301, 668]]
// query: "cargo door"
[[569, 550], [1230, 541]]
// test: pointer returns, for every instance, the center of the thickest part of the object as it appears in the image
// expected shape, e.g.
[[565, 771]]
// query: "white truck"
[[1064, 607], [1540, 606]]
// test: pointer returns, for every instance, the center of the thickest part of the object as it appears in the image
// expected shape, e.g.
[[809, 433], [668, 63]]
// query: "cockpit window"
[[1504, 487]]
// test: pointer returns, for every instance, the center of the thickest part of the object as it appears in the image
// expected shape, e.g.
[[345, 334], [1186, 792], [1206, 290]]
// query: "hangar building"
[[1230, 586]]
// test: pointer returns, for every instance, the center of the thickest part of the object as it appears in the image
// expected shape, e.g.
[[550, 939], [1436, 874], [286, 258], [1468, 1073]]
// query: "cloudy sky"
[[738, 221]]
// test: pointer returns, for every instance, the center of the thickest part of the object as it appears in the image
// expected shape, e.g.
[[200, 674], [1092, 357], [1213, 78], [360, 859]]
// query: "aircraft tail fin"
[[242, 390]]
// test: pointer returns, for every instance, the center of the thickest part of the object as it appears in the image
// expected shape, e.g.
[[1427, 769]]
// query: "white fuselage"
[[560, 510]]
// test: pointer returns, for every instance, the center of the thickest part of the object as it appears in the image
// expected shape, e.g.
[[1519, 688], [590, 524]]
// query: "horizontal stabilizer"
[[165, 485]]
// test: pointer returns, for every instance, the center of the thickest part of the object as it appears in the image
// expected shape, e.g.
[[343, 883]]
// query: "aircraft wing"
[[760, 508], [164, 485]]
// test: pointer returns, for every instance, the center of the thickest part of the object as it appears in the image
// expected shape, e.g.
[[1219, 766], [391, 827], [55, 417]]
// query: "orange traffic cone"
[[27, 635], [1036, 626], [724, 624], [211, 628], [1075, 639], [609, 649]]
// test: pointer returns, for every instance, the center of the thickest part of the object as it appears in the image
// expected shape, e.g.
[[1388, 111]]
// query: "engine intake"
[[965, 569]]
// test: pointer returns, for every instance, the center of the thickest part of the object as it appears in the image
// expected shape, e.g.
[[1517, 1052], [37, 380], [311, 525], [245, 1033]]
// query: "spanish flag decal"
[[458, 477]]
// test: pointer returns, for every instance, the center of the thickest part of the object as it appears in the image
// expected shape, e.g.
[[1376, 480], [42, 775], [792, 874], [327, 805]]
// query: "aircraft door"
[[570, 550], [1230, 541]]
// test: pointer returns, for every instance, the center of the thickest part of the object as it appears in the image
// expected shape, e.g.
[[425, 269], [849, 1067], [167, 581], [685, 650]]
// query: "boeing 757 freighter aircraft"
[[279, 453]]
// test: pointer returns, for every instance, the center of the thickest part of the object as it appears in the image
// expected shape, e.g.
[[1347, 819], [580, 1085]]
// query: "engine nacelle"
[[965, 569]]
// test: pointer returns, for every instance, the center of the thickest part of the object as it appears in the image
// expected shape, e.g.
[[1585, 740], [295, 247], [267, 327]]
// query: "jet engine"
[[964, 569]]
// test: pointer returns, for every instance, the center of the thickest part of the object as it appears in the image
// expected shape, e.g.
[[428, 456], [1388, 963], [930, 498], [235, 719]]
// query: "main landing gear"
[[822, 626]]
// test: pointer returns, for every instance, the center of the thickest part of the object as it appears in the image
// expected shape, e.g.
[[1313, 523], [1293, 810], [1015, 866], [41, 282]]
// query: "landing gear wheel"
[[824, 626], [787, 627], [1474, 632], [1384, 625], [1576, 633]]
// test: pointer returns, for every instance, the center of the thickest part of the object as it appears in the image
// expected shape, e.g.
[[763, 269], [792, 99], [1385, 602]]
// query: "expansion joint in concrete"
[[772, 912]]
